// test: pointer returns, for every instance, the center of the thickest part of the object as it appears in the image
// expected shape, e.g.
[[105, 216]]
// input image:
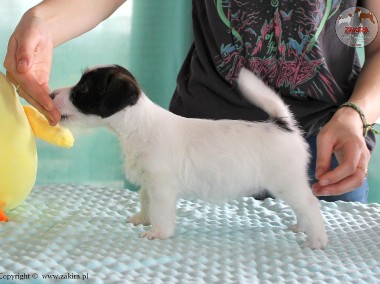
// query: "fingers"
[[21, 48], [348, 175], [40, 100], [346, 168], [28, 64], [52, 116], [11, 54], [30, 85], [19, 56], [24, 53], [353, 181], [324, 150]]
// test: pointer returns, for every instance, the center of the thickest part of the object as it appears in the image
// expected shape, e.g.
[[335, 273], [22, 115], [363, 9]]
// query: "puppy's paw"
[[316, 242], [139, 219], [154, 233], [297, 228]]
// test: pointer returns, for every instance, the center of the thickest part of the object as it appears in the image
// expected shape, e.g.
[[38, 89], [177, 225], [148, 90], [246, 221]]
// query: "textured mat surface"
[[68, 232]]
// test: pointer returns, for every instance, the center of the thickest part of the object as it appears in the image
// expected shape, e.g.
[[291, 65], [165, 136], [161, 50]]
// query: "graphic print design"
[[278, 40]]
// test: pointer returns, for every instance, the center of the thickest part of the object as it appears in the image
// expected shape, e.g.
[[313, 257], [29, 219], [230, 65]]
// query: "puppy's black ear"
[[121, 91]]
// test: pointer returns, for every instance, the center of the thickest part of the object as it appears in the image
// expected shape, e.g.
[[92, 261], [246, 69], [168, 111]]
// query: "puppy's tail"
[[262, 96]]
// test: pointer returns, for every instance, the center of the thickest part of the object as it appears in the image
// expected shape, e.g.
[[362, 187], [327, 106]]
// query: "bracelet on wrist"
[[366, 127]]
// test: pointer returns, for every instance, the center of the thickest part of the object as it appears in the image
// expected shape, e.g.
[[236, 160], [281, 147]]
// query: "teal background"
[[153, 53], [152, 44]]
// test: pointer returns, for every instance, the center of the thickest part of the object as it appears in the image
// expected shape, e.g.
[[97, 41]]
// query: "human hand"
[[28, 64], [342, 136]]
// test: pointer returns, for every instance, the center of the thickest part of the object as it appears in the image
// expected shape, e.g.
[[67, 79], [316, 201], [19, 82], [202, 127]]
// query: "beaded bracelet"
[[366, 127]]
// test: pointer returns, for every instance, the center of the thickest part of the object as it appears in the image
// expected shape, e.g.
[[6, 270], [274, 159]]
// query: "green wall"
[[153, 52], [95, 158], [374, 174], [157, 54]]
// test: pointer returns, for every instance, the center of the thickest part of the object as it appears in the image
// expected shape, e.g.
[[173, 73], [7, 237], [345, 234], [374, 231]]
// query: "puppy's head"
[[100, 93]]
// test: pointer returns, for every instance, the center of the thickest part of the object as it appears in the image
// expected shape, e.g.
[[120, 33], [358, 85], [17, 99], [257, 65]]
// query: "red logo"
[[356, 27]]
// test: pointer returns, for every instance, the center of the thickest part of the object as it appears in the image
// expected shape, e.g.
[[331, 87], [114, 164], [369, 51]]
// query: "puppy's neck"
[[138, 120]]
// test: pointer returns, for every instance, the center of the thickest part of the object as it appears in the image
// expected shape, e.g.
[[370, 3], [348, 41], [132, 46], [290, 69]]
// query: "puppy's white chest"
[[133, 166]]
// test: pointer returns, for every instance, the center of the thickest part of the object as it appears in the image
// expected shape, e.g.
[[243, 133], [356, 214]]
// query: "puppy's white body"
[[212, 160], [170, 156]]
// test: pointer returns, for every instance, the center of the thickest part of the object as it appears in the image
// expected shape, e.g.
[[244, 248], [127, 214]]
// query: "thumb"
[[26, 45]]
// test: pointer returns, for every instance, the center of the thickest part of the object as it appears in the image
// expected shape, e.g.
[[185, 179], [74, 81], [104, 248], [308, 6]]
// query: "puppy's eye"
[[82, 87]]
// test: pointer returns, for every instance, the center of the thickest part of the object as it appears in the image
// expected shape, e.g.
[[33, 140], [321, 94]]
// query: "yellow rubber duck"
[[18, 152]]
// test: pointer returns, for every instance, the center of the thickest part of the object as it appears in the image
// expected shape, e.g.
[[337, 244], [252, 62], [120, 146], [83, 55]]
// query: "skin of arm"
[[77, 17], [43, 27], [343, 135]]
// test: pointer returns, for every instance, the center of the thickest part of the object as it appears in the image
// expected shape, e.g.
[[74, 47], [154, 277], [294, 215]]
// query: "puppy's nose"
[[52, 95]]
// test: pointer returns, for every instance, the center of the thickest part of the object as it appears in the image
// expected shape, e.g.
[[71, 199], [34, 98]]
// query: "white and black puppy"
[[170, 156]]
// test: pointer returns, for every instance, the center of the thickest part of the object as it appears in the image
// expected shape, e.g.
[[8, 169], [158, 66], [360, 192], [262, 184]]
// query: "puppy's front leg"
[[143, 216], [162, 213]]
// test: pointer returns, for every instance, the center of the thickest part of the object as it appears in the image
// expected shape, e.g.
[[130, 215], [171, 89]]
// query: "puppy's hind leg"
[[307, 209], [143, 216], [162, 213]]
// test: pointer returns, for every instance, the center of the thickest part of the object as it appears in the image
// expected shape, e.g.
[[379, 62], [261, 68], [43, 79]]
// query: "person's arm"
[[367, 90], [30, 48], [67, 19], [343, 135]]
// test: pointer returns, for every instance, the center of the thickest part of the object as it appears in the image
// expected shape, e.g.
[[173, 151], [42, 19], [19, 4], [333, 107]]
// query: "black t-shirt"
[[291, 45]]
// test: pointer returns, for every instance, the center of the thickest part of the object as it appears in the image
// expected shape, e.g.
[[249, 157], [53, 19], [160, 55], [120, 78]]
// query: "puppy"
[[170, 156]]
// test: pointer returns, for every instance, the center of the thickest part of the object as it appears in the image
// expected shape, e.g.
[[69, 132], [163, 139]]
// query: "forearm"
[[67, 19], [367, 90]]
